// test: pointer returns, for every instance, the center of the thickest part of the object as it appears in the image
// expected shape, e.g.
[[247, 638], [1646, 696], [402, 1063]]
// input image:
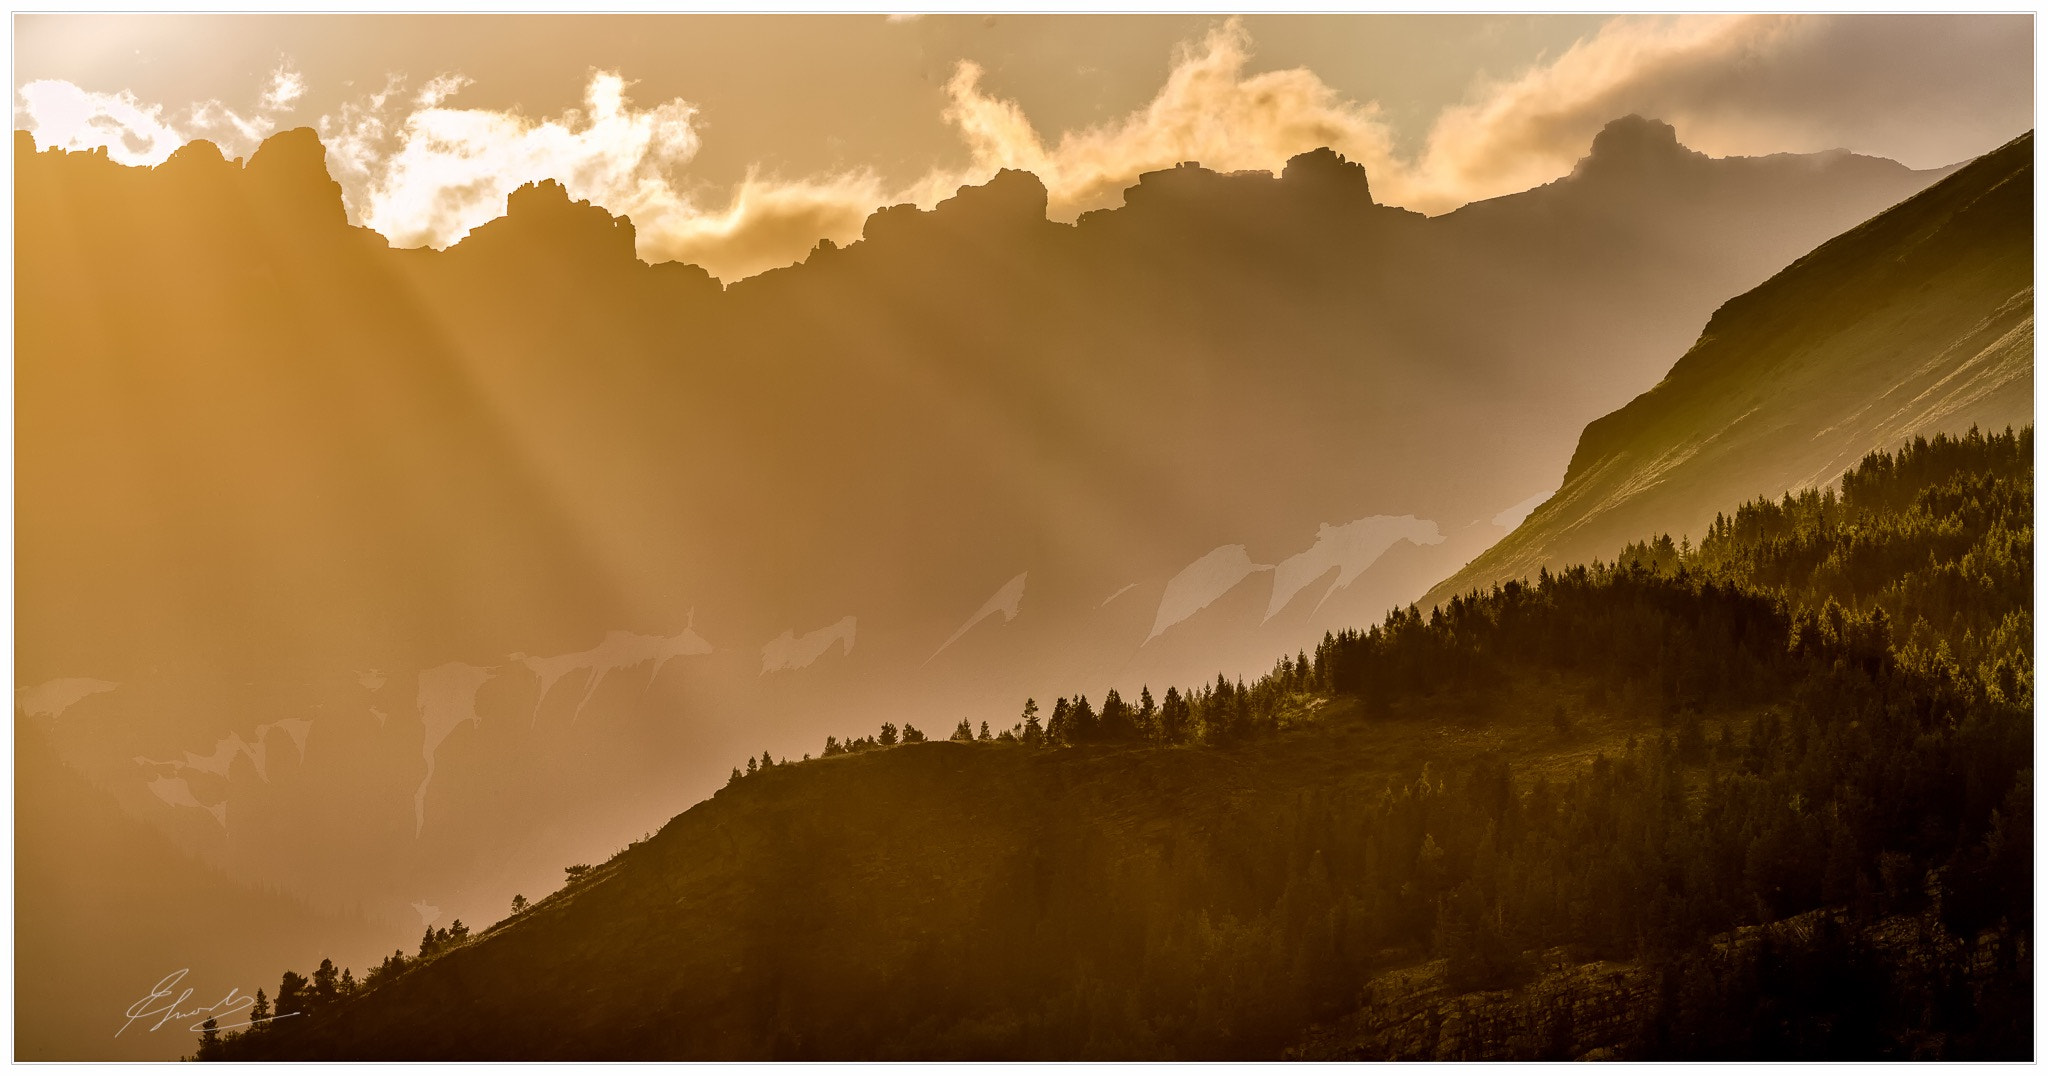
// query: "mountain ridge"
[[1581, 817], [1955, 255], [482, 464], [290, 165]]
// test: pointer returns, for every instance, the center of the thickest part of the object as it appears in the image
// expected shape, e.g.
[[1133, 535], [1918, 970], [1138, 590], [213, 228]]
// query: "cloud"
[[1210, 110], [61, 115], [1926, 89], [769, 223], [441, 88], [424, 173], [451, 168], [358, 136], [286, 87], [1913, 87]]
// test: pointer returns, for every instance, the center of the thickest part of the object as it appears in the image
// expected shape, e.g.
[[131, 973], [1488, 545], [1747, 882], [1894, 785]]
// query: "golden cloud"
[[1209, 110], [423, 172]]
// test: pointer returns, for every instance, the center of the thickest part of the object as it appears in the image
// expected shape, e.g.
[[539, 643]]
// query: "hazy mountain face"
[[106, 907], [1511, 830], [1920, 321], [542, 540]]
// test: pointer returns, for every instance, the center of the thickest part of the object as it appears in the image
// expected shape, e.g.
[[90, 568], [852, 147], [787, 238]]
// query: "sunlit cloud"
[[286, 87], [1518, 133], [768, 223], [60, 115], [358, 138], [423, 170], [224, 126], [440, 89], [448, 170], [1210, 110]]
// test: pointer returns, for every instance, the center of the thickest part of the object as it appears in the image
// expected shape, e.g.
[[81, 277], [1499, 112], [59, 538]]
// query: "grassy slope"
[[988, 901], [866, 890], [1920, 320]]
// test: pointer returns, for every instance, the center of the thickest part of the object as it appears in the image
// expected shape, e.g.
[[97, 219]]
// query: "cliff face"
[[1919, 321]]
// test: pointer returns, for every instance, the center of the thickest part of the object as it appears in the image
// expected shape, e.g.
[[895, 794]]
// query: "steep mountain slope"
[[1920, 320], [1658, 812], [539, 538]]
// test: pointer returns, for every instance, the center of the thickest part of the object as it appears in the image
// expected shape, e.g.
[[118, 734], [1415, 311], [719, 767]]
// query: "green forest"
[[1765, 795]]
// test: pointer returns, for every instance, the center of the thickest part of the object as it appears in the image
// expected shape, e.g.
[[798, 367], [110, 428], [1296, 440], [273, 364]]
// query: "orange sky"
[[737, 141]]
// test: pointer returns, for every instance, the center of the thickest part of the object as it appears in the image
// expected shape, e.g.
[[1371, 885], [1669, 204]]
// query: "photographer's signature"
[[165, 1000]]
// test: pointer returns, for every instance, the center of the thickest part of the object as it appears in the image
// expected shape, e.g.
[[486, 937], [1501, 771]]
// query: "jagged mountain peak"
[[1634, 146], [541, 216], [291, 167], [1327, 171], [198, 153]]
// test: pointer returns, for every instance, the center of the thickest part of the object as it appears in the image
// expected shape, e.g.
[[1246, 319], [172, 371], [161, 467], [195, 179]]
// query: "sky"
[[738, 141]]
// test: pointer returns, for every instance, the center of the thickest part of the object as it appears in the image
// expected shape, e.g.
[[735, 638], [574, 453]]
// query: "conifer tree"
[[1082, 720], [209, 1041], [326, 985], [1058, 732]]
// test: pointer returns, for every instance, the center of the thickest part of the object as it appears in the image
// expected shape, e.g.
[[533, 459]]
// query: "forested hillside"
[[508, 472], [1770, 797]]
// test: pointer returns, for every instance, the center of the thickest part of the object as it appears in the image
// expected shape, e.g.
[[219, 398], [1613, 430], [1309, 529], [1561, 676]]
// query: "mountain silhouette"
[[261, 453], [1916, 322]]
